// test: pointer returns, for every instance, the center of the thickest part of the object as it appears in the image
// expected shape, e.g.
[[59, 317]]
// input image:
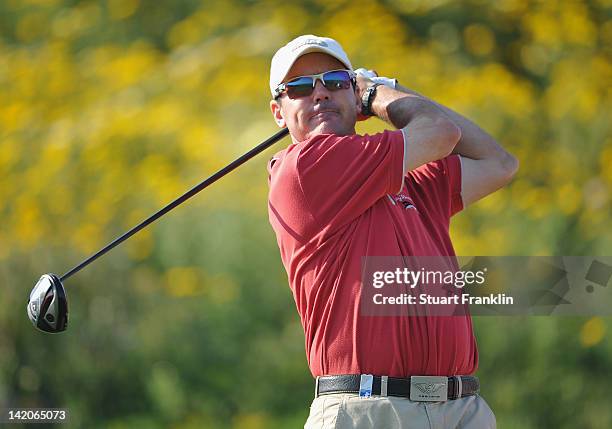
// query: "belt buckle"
[[428, 388]]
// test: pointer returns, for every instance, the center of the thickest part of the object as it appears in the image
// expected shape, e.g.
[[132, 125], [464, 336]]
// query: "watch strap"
[[367, 99]]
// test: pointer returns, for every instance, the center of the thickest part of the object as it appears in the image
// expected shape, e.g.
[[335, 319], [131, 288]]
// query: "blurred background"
[[110, 109]]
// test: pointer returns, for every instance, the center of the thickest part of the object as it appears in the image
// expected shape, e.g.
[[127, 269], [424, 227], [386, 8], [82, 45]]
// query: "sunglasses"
[[303, 86]]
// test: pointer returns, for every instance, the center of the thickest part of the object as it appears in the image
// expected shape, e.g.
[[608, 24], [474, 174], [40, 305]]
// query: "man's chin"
[[329, 127]]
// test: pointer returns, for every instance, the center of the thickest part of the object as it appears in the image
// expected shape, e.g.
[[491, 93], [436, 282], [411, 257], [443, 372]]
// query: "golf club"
[[48, 306]]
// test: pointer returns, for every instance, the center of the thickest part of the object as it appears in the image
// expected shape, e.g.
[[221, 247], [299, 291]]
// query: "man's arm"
[[485, 165], [429, 134]]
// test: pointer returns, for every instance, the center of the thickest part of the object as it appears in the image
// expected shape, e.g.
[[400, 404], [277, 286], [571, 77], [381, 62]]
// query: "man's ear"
[[277, 113], [357, 100]]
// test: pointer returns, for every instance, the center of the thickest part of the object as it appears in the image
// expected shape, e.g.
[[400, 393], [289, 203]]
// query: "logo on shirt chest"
[[403, 200]]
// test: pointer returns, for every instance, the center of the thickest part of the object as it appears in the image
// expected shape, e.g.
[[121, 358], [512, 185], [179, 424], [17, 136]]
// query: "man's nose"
[[320, 92]]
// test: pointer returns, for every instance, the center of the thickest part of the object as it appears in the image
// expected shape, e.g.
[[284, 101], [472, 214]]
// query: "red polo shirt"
[[334, 199]]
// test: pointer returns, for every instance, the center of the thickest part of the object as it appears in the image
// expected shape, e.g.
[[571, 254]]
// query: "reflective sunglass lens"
[[299, 87], [303, 86], [338, 79]]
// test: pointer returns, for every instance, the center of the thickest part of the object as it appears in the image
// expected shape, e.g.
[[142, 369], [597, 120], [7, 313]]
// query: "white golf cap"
[[284, 58]]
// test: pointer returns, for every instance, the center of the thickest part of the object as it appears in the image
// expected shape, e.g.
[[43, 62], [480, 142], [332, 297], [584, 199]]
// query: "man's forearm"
[[398, 109], [429, 134], [474, 143]]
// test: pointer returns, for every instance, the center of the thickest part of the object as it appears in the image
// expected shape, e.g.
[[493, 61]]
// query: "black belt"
[[423, 388]]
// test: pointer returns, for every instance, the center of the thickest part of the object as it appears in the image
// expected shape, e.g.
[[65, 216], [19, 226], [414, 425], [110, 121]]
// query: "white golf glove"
[[391, 83]]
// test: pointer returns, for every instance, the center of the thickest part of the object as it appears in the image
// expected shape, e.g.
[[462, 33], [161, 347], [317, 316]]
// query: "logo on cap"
[[310, 42]]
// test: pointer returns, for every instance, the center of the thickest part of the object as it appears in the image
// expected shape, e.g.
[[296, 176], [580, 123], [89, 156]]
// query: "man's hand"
[[369, 77], [391, 83]]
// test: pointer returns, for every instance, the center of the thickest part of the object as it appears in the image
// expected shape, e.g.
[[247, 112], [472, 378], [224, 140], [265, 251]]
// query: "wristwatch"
[[367, 98]]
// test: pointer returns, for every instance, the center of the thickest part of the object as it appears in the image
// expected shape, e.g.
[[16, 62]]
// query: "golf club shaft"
[[212, 179]]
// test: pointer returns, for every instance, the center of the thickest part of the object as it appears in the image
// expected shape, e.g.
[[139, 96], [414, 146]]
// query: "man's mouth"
[[323, 114]]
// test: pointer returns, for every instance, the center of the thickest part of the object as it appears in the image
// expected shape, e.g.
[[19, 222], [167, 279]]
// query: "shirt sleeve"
[[439, 183], [343, 176]]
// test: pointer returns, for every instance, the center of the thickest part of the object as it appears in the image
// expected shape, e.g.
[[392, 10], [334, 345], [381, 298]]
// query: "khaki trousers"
[[348, 410]]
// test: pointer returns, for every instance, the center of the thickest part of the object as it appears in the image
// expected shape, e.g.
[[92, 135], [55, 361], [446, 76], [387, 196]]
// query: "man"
[[336, 197]]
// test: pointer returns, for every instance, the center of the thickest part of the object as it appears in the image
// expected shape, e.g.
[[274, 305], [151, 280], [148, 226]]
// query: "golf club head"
[[48, 306]]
